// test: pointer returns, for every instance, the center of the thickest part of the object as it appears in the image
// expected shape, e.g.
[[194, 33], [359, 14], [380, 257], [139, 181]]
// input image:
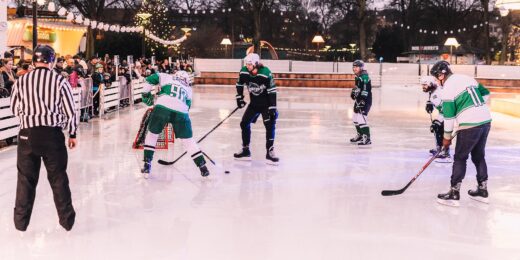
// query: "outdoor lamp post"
[[318, 39], [452, 41], [226, 42], [352, 50], [35, 4], [144, 17]]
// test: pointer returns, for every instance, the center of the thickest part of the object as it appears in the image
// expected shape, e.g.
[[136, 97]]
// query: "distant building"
[[430, 54]]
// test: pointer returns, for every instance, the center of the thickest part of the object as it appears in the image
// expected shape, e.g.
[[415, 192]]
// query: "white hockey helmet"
[[427, 80], [428, 83], [183, 77], [252, 58]]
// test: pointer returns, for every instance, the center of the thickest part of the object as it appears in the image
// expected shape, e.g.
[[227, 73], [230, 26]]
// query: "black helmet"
[[358, 63], [440, 67], [44, 53]]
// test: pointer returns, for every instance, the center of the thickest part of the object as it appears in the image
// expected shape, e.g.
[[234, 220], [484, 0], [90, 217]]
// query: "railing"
[[8, 122], [380, 73]]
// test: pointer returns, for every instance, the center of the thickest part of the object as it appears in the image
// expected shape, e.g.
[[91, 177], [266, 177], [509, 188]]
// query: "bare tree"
[[258, 8]]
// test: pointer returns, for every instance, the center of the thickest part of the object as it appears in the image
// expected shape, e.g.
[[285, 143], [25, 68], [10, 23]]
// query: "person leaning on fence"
[[42, 118], [98, 79]]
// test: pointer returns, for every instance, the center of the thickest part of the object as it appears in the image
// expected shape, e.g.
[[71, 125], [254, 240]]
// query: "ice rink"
[[322, 202]]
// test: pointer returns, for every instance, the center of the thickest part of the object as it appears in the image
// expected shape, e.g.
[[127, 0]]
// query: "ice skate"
[[480, 194], [451, 198], [243, 155], [147, 168], [271, 158]]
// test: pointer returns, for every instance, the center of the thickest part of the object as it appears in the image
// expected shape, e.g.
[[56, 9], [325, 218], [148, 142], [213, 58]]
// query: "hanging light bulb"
[[106, 27], [79, 19], [86, 22], [99, 26], [51, 7], [62, 11], [93, 24], [40, 2], [70, 16]]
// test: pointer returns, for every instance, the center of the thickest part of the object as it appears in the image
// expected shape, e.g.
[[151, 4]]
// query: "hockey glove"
[[273, 114], [354, 94], [429, 107], [147, 98], [240, 101], [436, 126]]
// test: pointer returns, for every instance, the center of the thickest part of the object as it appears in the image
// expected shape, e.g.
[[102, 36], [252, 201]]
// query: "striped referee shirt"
[[43, 97]]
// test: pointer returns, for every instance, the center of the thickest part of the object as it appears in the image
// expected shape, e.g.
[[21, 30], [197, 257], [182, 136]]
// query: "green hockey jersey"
[[261, 87]]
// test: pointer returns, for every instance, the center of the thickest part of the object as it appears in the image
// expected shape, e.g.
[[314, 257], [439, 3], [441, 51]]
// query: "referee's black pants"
[[35, 144]]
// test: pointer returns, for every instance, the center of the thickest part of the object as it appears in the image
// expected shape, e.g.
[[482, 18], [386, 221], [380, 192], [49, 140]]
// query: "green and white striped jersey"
[[435, 98], [464, 102], [173, 94]]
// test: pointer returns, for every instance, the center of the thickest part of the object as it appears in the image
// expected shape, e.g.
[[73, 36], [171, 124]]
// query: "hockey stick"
[[163, 162], [397, 192]]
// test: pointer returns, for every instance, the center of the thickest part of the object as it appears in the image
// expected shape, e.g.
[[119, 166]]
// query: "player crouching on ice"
[[172, 106], [362, 96], [262, 92], [429, 85], [464, 102]]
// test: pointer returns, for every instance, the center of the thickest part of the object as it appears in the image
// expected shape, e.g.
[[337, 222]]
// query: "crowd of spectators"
[[101, 70]]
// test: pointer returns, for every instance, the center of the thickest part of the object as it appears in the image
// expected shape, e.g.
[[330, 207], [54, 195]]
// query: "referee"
[[42, 99]]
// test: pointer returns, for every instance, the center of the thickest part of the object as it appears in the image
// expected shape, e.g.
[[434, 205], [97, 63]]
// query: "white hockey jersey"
[[435, 98], [173, 94], [464, 102]]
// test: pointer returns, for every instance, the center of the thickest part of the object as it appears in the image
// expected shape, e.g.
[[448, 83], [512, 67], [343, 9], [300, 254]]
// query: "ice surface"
[[322, 202]]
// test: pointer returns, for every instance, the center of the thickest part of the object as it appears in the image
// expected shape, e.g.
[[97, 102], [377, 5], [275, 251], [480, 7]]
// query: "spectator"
[[138, 70], [165, 67], [188, 68], [24, 70], [58, 68], [98, 79], [8, 75], [92, 68]]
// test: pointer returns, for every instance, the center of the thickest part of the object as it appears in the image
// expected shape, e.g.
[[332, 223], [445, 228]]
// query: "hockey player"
[[172, 106], [464, 103], [429, 85], [262, 92], [362, 96]]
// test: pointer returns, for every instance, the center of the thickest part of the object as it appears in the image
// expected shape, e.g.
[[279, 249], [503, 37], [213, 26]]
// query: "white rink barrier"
[[109, 97], [136, 89], [9, 124], [76, 95], [386, 73]]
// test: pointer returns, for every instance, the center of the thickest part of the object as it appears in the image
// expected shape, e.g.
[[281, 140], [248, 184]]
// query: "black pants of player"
[[35, 144], [439, 135], [250, 116], [470, 141]]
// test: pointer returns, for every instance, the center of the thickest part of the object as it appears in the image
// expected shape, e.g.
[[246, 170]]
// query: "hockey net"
[[165, 137]]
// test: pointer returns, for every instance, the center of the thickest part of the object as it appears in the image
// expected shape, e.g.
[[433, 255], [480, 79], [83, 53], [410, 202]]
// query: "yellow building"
[[64, 36]]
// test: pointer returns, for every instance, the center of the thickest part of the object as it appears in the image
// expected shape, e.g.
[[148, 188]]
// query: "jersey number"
[[475, 96], [179, 93]]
